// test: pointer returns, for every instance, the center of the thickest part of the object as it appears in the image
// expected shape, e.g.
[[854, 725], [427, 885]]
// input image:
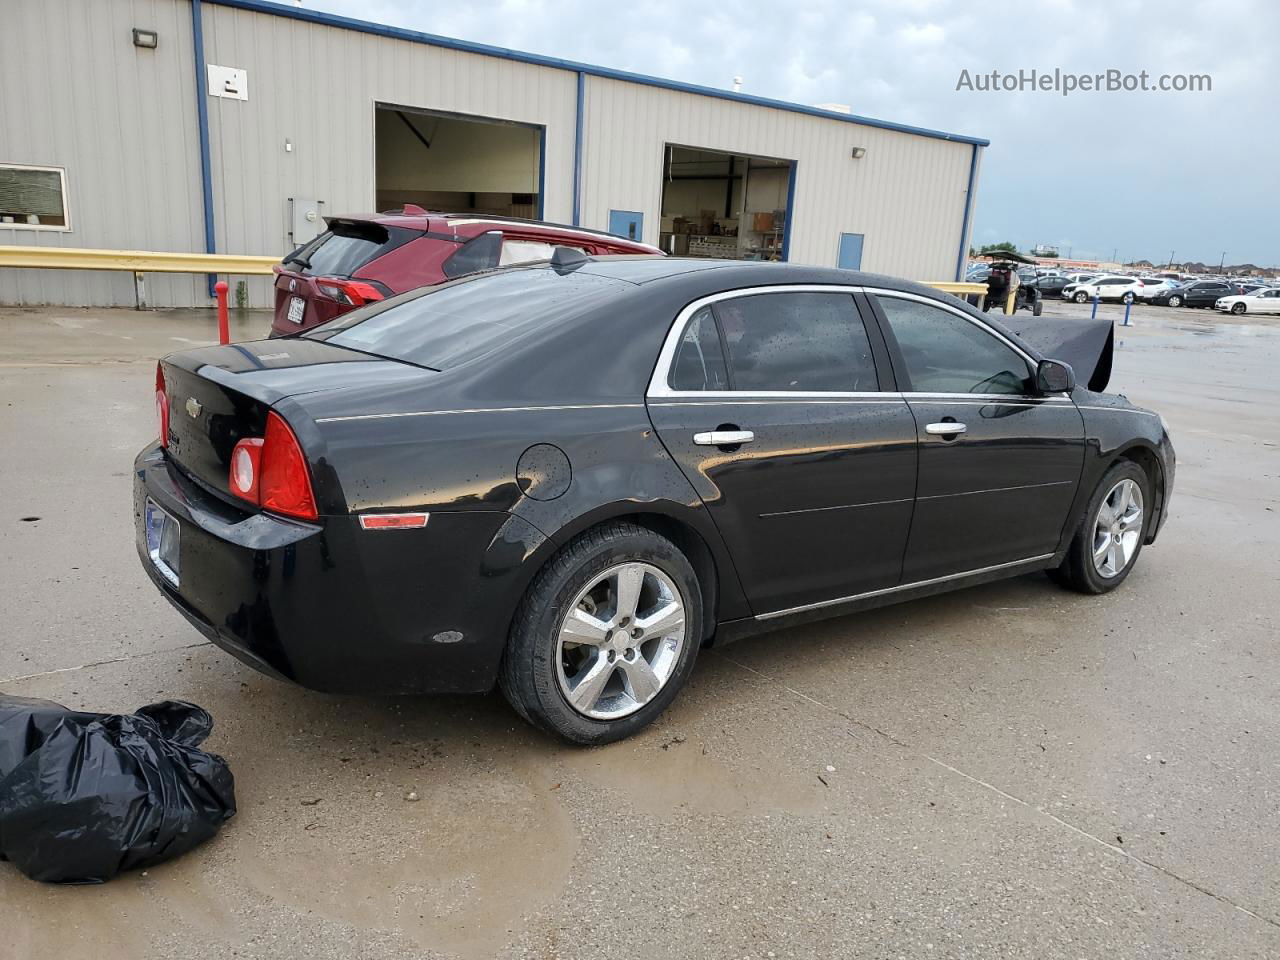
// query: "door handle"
[[723, 438], [949, 429]]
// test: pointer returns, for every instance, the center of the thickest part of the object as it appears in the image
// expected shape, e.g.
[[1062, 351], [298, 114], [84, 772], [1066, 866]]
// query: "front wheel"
[[1175, 301], [1081, 297], [605, 636], [1238, 308], [1109, 538]]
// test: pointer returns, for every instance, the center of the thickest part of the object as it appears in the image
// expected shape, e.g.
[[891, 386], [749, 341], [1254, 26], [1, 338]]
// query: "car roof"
[[473, 224]]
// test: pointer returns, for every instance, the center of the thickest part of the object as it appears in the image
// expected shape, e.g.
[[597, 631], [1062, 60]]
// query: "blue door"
[[626, 223], [850, 257]]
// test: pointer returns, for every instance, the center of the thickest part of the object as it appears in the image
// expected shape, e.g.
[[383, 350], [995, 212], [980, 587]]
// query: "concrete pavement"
[[1008, 771]]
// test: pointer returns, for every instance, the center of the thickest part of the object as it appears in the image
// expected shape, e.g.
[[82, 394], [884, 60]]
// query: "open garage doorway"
[[724, 205], [455, 163]]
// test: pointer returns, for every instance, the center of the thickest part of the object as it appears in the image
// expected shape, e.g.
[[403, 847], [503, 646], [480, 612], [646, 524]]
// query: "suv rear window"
[[456, 322], [347, 246]]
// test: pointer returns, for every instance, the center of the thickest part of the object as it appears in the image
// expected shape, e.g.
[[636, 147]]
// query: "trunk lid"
[[221, 395]]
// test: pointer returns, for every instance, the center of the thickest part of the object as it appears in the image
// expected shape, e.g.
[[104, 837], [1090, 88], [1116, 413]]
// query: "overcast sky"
[[1142, 173]]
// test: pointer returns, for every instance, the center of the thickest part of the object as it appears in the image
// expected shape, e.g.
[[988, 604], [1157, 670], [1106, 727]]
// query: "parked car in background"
[[566, 479], [1126, 289], [361, 259], [1151, 286], [1262, 300], [1051, 285], [1197, 293], [1081, 277]]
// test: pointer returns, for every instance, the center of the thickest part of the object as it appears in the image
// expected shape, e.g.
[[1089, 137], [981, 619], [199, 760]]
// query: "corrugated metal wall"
[[122, 121], [907, 195], [76, 93], [317, 85]]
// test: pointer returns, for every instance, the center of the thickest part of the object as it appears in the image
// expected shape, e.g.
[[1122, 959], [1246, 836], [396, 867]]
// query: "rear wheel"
[[1129, 297], [605, 636], [1109, 538]]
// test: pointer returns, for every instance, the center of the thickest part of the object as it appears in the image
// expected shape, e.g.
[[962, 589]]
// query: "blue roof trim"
[[484, 49]]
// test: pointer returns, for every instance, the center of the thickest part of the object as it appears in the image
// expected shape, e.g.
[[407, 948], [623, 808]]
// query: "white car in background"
[[1153, 285], [1126, 289], [1265, 300]]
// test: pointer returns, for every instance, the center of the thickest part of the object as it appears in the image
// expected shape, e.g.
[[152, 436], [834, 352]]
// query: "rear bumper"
[[336, 608]]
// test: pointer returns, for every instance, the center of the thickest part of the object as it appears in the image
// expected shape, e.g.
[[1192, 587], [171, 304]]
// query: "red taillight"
[[271, 472], [162, 407], [353, 293]]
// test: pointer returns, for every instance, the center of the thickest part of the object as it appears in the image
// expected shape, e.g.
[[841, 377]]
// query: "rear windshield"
[[346, 247], [469, 318]]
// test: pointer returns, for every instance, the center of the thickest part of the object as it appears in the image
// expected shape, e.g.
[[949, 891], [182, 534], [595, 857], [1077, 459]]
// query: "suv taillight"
[[271, 472], [162, 407], [352, 293]]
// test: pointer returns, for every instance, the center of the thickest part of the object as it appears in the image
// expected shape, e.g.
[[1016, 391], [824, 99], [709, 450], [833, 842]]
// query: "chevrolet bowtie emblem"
[[194, 407]]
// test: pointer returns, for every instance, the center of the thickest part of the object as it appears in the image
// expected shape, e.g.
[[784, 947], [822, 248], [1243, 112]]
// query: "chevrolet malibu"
[[565, 479]]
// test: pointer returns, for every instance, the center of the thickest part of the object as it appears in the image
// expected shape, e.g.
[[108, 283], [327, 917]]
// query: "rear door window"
[[796, 342], [699, 359], [478, 253]]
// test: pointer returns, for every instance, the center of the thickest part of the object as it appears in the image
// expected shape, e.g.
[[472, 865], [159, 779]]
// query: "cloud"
[[1142, 172]]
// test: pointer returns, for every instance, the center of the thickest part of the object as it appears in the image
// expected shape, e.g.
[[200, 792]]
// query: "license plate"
[[296, 308], [162, 542]]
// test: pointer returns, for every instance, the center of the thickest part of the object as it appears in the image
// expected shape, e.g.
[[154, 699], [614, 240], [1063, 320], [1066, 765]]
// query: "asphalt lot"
[[1008, 771]]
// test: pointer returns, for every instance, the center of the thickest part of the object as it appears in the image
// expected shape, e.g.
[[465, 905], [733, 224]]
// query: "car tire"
[[1122, 487], [1238, 308], [1128, 297], [1175, 301], [1080, 297], [541, 662]]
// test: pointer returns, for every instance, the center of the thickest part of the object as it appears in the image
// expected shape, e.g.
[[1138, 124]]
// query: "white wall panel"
[[907, 195], [122, 121]]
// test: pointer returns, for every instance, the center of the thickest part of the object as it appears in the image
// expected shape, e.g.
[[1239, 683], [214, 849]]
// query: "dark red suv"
[[371, 257]]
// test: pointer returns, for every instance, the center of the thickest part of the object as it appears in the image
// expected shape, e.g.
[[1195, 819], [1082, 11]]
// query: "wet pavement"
[[1009, 771]]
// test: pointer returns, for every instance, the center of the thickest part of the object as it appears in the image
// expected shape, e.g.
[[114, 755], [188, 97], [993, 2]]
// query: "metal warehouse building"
[[235, 126]]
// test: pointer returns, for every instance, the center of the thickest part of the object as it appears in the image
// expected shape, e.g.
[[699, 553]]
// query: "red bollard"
[[224, 327]]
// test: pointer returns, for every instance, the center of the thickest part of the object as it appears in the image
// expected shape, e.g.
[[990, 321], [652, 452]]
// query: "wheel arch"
[[688, 528], [1144, 455]]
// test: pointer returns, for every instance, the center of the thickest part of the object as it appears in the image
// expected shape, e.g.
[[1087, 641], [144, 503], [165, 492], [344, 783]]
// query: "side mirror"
[[1054, 376]]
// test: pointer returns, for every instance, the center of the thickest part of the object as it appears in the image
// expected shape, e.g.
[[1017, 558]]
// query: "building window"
[[33, 198]]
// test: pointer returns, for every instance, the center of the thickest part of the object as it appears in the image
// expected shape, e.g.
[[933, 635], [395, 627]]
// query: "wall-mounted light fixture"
[[147, 39], [859, 152]]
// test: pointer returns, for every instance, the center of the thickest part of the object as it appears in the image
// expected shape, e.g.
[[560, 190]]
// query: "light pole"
[[1223, 261]]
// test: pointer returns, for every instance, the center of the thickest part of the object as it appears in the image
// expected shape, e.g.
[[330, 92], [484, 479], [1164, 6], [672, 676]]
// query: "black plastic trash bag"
[[84, 796]]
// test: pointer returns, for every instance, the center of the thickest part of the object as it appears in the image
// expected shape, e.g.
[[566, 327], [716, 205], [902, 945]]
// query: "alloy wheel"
[[1117, 529], [620, 641]]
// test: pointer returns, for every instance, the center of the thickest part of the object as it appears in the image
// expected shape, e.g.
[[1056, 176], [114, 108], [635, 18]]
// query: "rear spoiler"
[[1088, 345]]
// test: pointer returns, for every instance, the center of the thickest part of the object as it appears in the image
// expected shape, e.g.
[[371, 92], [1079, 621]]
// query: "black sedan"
[[568, 478], [1197, 293], [1051, 286]]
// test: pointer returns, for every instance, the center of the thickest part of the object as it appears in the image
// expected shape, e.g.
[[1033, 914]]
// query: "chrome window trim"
[[900, 587], [659, 389]]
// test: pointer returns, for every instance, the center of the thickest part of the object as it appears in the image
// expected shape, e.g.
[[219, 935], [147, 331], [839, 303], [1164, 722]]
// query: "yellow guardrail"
[[134, 261], [959, 289], [142, 261]]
